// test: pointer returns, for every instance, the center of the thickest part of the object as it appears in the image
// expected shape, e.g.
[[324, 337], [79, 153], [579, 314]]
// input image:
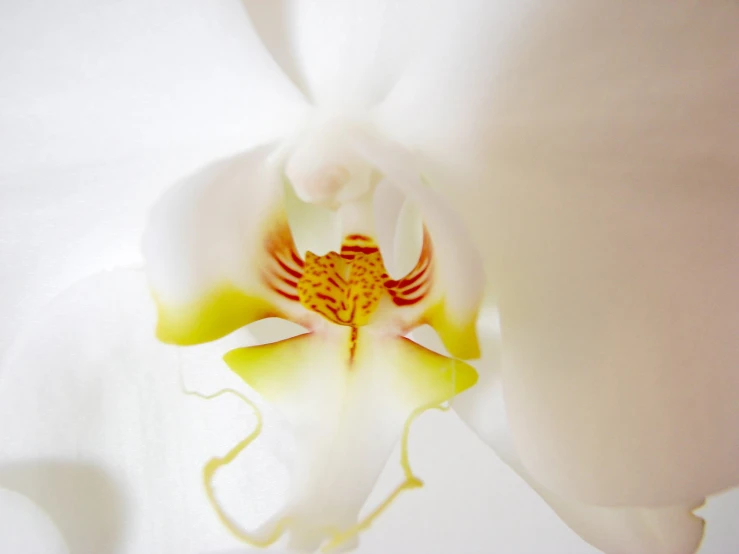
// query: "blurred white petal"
[[98, 434], [619, 322], [25, 529], [446, 100], [103, 106], [87, 82], [344, 54], [613, 530], [596, 169], [61, 225], [612, 242]]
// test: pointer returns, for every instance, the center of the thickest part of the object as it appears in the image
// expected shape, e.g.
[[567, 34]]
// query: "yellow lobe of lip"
[[211, 317], [344, 288], [420, 380]]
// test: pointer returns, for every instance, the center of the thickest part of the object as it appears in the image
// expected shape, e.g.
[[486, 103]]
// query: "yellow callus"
[[344, 288]]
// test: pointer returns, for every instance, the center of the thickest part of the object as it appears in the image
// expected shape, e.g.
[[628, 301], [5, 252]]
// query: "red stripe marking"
[[360, 249], [325, 297], [414, 289], [288, 282], [407, 301], [353, 344], [297, 259], [410, 280], [292, 297], [291, 271], [333, 310]]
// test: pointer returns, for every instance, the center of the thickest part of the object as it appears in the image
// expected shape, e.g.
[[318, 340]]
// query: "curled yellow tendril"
[[411, 482], [214, 464]]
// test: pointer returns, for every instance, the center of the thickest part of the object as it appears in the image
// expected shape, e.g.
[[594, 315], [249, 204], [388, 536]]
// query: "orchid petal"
[[458, 279], [92, 84], [620, 350], [349, 397], [598, 179], [220, 252], [97, 432], [343, 53], [25, 528], [103, 105], [613, 530], [612, 247], [631, 530], [443, 106], [53, 236]]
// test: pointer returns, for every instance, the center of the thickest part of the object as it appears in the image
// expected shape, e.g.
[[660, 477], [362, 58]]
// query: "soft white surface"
[[106, 104], [615, 530], [207, 229], [25, 529], [605, 208]]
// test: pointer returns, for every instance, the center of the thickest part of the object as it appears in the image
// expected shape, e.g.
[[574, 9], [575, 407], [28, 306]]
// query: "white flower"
[[588, 149], [220, 255]]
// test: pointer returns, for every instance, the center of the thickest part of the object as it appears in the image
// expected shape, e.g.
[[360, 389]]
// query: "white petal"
[[348, 406], [613, 530], [632, 530], [458, 276], [444, 104], [103, 106], [59, 225], [426, 55], [89, 83], [616, 266], [220, 253], [605, 205], [343, 53], [619, 317], [97, 432], [26, 529]]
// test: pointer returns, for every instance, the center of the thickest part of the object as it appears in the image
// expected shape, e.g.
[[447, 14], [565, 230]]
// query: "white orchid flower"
[[589, 151], [221, 255]]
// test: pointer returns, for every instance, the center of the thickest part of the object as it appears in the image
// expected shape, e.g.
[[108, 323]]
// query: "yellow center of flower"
[[344, 288]]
